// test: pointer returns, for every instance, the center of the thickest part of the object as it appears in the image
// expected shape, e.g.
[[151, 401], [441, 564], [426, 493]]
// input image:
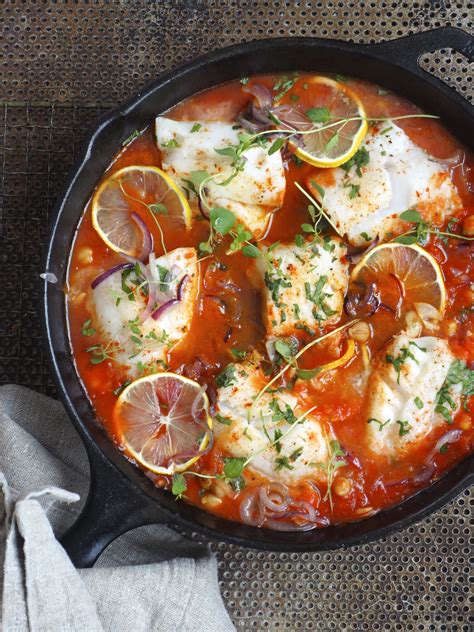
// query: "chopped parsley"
[[86, 329], [195, 128], [227, 376], [354, 190], [360, 159], [460, 374], [418, 403], [279, 414], [322, 311], [400, 360], [226, 421], [405, 427], [282, 86], [121, 387], [172, 142], [283, 462], [381, 424]]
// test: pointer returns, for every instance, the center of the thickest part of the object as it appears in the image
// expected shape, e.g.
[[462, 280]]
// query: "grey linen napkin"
[[148, 579]]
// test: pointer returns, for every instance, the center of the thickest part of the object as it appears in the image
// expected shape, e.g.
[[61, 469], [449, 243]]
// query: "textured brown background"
[[64, 63]]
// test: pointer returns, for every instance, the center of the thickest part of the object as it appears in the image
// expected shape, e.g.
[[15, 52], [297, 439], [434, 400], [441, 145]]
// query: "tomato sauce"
[[376, 483]]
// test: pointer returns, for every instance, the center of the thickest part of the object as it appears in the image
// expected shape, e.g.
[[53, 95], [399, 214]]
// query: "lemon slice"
[[135, 189], [163, 422], [411, 266], [340, 136]]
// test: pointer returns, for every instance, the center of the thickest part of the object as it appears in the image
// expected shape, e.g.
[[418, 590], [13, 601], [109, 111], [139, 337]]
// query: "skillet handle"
[[407, 51], [112, 507]]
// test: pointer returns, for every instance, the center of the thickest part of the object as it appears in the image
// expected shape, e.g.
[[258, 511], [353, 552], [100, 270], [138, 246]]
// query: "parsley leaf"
[[227, 376]]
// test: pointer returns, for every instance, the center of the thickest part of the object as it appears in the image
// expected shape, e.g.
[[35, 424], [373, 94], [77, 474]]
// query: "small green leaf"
[[307, 228], [276, 146], [172, 142], [418, 403], [411, 215], [283, 349], [240, 355], [222, 220], [86, 329], [226, 421], [249, 250], [299, 240], [158, 209], [318, 115], [233, 467], [406, 239], [318, 188], [332, 142], [178, 486], [196, 127], [307, 374]]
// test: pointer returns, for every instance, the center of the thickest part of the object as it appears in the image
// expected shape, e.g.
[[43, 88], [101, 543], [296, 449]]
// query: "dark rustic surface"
[[64, 63]]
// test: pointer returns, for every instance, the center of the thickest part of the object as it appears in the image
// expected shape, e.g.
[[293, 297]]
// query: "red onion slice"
[[450, 437], [163, 308], [252, 511], [261, 93], [181, 287], [147, 245], [107, 273]]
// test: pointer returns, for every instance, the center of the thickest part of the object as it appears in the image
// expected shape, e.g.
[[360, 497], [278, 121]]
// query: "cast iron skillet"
[[120, 496]]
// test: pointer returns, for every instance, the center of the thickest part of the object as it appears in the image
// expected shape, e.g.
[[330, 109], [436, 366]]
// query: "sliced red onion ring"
[[362, 305], [450, 437], [429, 467], [147, 245], [261, 93], [252, 511], [107, 273], [281, 525], [181, 287], [274, 497], [163, 308], [245, 120]]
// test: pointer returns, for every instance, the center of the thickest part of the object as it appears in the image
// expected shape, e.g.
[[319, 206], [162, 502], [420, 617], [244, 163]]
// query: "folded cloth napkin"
[[148, 579]]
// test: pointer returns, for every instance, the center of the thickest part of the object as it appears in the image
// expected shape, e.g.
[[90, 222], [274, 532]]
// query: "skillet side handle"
[[408, 50], [113, 507]]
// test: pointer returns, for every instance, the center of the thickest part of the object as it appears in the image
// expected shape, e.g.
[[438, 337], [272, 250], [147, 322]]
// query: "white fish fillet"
[[116, 316], [406, 399], [399, 176], [293, 297], [255, 192], [304, 447]]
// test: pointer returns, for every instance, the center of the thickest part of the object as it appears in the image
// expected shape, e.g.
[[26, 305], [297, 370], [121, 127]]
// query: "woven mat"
[[65, 63]]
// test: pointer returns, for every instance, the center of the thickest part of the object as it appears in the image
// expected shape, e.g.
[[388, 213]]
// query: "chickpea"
[[449, 327], [342, 486], [85, 255], [465, 422], [360, 332], [468, 226], [211, 501]]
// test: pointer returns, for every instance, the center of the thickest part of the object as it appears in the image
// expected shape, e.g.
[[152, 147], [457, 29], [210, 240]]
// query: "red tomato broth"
[[206, 350]]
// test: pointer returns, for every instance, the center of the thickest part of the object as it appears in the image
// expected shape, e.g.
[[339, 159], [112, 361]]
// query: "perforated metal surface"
[[64, 63]]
